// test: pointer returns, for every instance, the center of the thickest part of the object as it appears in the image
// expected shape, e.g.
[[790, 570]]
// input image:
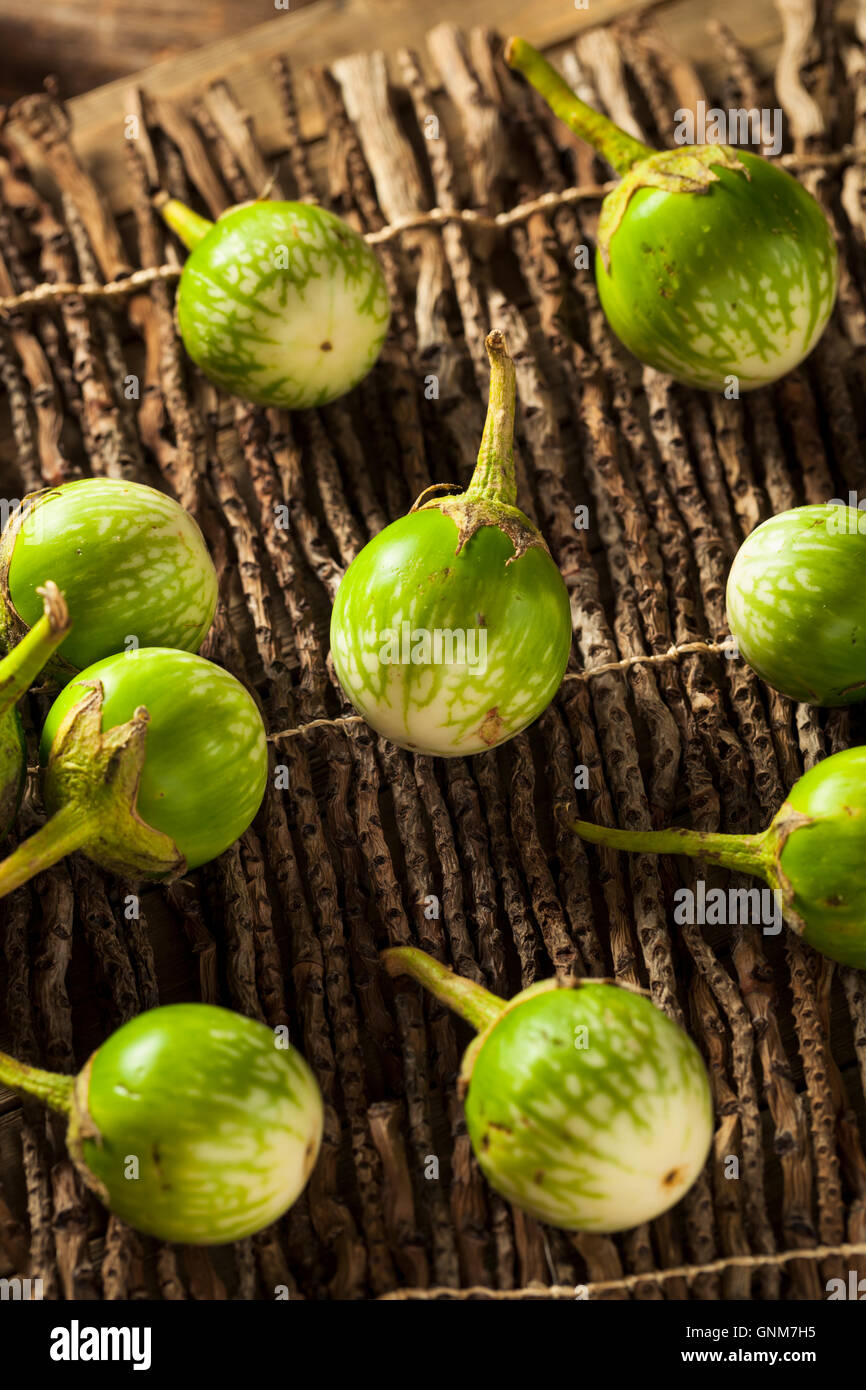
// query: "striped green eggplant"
[[451, 629], [154, 762], [280, 303], [712, 264], [190, 1122], [811, 854], [586, 1105], [131, 562], [796, 602]]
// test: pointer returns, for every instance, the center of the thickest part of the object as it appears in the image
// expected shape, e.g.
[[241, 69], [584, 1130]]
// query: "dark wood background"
[[85, 43]]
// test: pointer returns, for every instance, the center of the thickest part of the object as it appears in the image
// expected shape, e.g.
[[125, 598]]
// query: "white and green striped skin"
[[594, 1138], [292, 335], [738, 281], [410, 573], [225, 1125], [796, 601], [131, 562]]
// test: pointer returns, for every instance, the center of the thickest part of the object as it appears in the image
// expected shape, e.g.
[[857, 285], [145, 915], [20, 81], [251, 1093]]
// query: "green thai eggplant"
[[586, 1105], [131, 562], [712, 263], [451, 629], [154, 762], [189, 1122], [812, 854], [797, 603], [280, 303]]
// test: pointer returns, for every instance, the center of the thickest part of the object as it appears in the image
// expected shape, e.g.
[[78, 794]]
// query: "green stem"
[[52, 1088], [185, 223], [494, 472], [472, 1002], [745, 853], [66, 831], [20, 668], [620, 149]]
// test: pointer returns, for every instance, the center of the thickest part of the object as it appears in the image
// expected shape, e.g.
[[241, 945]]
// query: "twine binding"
[[674, 653], [631, 1281], [434, 217]]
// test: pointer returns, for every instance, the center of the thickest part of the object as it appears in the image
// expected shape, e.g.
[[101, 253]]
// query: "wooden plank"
[[327, 30], [318, 34], [90, 44], [330, 29]]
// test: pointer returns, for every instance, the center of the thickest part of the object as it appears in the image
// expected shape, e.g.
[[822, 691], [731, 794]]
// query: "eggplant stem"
[[745, 853], [471, 1001], [51, 1087], [494, 472], [20, 668], [66, 831], [620, 149], [185, 223]]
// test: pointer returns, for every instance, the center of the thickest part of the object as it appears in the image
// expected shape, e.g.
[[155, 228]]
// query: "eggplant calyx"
[[471, 514], [91, 789], [82, 1127], [99, 773], [691, 169], [784, 824]]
